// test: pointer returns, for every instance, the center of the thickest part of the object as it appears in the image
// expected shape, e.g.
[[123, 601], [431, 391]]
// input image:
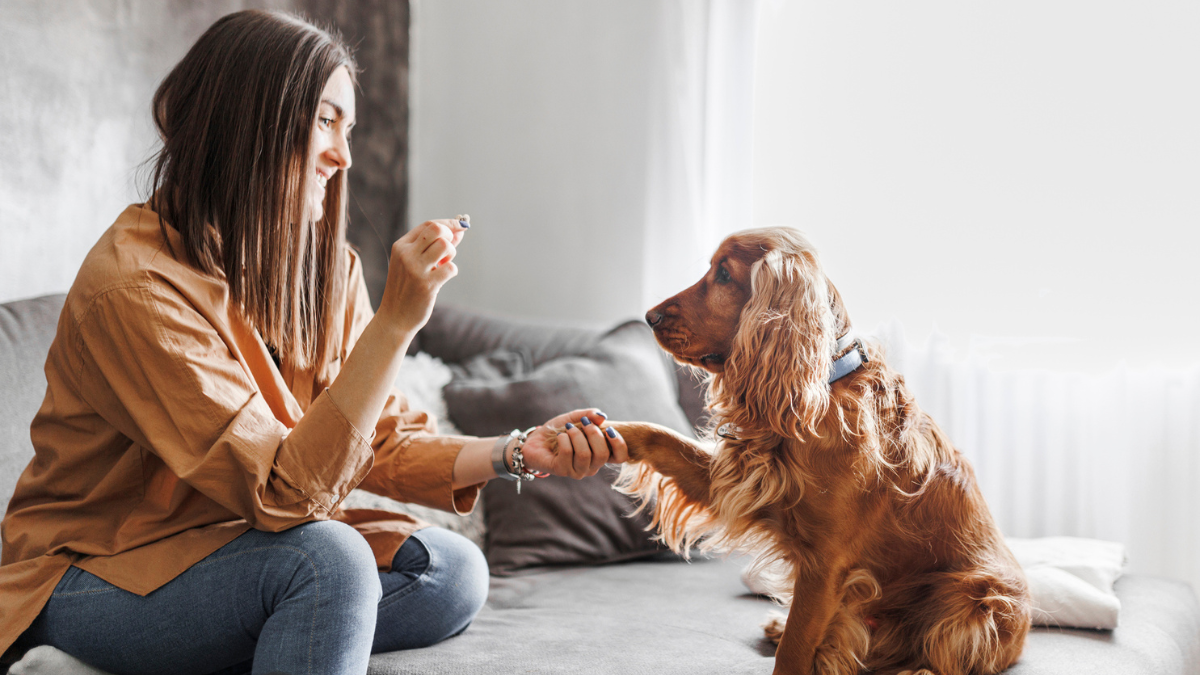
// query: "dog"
[[873, 522]]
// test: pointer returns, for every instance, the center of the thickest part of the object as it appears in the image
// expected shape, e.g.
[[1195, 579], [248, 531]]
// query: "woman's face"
[[329, 149]]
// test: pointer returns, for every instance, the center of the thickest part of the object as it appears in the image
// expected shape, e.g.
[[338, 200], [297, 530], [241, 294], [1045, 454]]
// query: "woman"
[[218, 384]]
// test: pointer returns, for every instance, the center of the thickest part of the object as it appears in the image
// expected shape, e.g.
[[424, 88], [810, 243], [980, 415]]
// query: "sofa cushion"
[[560, 521], [656, 616], [455, 335], [27, 328], [670, 617]]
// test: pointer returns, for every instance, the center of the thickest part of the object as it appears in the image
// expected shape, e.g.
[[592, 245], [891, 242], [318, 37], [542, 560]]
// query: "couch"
[[578, 586]]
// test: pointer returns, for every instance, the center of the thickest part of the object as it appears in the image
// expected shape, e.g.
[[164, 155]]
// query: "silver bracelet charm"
[[518, 457]]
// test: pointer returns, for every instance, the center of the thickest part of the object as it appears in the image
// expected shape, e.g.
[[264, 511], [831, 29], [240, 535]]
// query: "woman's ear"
[[779, 365]]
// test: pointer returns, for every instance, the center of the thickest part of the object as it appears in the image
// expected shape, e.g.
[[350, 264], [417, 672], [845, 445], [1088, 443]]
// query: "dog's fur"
[[881, 537]]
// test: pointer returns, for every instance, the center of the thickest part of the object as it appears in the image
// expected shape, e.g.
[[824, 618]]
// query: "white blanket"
[[1071, 580]]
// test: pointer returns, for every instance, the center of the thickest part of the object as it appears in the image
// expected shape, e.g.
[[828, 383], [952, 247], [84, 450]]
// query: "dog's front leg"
[[815, 599], [682, 460]]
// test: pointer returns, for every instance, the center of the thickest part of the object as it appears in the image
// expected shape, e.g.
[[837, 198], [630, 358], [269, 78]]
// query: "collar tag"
[[729, 431]]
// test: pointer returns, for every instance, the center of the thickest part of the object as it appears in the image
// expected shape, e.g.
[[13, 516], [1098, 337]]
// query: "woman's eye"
[[722, 275], [325, 121]]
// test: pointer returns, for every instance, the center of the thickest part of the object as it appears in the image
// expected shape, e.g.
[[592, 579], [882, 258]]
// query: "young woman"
[[218, 384]]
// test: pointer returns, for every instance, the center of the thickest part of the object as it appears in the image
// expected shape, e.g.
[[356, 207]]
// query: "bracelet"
[[498, 463], [518, 457]]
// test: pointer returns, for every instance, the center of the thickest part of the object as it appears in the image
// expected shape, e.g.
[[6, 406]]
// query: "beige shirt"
[[167, 431]]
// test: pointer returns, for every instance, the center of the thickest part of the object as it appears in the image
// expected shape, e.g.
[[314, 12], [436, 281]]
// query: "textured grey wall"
[[378, 30], [76, 77]]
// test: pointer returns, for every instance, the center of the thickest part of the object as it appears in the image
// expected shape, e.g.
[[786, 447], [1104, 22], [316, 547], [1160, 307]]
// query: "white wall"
[[531, 117], [1018, 170]]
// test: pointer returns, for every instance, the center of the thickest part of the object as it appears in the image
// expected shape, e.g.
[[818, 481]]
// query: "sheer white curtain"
[[1114, 456], [700, 136]]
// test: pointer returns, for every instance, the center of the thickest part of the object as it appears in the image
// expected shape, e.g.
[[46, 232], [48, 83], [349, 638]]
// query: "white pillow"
[[421, 379]]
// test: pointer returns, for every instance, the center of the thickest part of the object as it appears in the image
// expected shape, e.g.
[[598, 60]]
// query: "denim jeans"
[[307, 600]]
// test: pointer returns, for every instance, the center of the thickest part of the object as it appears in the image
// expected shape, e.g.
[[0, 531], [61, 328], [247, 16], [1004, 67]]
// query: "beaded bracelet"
[[518, 457], [517, 471]]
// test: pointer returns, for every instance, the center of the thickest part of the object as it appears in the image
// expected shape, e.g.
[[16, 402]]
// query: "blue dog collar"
[[853, 359]]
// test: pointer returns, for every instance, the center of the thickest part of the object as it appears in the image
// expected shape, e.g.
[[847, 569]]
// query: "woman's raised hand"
[[573, 444], [421, 262]]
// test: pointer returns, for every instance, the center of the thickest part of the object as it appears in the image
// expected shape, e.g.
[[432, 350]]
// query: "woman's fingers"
[[619, 451], [421, 262], [439, 252], [577, 448], [453, 230], [583, 445], [597, 442]]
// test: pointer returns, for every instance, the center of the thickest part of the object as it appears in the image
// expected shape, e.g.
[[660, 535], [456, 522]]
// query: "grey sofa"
[[653, 614]]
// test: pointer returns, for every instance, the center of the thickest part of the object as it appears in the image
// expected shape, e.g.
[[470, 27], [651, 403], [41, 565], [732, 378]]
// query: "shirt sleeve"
[[161, 374], [412, 462]]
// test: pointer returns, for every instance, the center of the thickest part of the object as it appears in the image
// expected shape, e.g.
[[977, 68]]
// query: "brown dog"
[[890, 557]]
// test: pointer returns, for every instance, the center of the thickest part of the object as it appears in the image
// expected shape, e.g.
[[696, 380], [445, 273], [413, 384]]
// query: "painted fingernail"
[[570, 426], [612, 432], [465, 224], [585, 421], [601, 414]]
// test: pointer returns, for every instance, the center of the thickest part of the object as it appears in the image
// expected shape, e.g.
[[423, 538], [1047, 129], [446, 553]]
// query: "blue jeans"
[[306, 600]]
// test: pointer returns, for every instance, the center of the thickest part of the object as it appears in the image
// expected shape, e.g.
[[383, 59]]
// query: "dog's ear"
[[841, 318], [779, 365]]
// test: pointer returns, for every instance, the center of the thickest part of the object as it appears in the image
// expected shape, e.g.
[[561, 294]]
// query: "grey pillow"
[[560, 521]]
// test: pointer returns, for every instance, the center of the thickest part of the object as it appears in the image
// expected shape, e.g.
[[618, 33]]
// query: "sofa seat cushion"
[[655, 616], [663, 617], [1159, 633]]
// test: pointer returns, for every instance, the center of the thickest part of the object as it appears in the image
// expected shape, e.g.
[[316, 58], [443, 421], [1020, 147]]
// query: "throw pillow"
[[561, 521]]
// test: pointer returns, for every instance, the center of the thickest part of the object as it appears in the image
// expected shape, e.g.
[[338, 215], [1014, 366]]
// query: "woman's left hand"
[[574, 444]]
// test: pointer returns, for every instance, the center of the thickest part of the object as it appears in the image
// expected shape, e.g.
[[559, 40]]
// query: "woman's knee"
[[457, 563], [339, 559], [444, 598]]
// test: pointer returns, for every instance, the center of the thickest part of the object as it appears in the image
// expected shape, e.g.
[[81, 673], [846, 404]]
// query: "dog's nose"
[[653, 317]]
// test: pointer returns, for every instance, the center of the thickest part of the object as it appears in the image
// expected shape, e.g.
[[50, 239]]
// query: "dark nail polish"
[[612, 433], [585, 421], [601, 414], [570, 426], [465, 224]]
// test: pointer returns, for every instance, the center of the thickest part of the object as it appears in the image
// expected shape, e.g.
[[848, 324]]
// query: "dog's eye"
[[722, 275]]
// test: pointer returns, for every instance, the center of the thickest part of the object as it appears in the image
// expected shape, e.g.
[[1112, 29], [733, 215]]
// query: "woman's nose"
[[339, 154]]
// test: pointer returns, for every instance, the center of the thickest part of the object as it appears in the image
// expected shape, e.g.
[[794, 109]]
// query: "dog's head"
[[764, 319]]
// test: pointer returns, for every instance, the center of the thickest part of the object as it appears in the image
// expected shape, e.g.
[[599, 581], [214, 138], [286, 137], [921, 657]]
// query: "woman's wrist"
[[395, 326], [502, 457], [473, 465]]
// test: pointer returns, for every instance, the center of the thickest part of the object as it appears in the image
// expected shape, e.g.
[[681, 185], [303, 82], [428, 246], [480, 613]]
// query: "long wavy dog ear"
[[779, 365]]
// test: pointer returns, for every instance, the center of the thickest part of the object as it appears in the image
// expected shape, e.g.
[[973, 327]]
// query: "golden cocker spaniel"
[[826, 469]]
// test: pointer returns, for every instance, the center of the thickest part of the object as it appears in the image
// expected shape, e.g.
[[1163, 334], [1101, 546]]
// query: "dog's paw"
[[773, 628]]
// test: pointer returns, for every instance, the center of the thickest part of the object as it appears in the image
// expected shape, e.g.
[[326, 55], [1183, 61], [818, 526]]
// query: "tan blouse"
[[167, 431]]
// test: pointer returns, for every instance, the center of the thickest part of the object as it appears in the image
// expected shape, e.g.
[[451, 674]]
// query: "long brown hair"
[[235, 117]]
